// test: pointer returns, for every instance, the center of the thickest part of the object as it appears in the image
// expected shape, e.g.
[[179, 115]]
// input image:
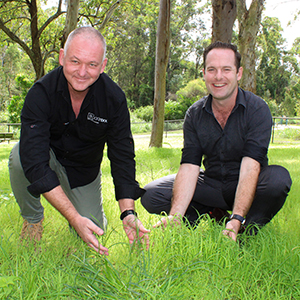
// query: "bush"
[[145, 113], [16, 104], [192, 92], [175, 110]]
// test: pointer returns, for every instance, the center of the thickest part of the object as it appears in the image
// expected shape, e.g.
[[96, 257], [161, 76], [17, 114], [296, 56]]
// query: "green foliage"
[[277, 69], [17, 102], [192, 92], [131, 49], [145, 113], [176, 109]]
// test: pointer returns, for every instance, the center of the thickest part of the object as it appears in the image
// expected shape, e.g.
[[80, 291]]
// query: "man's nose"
[[218, 74], [82, 70]]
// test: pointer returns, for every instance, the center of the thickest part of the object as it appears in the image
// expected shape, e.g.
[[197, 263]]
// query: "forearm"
[[247, 184], [184, 188], [58, 199]]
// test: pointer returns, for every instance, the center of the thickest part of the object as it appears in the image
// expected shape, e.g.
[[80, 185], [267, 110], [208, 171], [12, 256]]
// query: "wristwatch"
[[238, 217], [125, 213]]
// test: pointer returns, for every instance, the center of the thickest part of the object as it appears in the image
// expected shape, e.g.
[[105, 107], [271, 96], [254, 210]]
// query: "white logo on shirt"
[[95, 119]]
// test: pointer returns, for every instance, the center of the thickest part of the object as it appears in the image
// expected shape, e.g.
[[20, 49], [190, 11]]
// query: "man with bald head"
[[68, 117]]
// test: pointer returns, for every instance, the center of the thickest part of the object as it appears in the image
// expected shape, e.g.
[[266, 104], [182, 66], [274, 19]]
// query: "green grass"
[[180, 264]]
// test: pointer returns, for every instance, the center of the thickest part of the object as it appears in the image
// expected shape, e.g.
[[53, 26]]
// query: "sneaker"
[[33, 231]]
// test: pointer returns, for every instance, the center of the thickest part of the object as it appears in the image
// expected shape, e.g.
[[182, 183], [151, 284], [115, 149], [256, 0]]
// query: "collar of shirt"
[[240, 100]]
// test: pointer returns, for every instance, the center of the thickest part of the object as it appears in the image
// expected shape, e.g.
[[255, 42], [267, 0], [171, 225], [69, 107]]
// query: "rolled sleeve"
[[191, 152], [44, 184], [259, 134], [127, 191]]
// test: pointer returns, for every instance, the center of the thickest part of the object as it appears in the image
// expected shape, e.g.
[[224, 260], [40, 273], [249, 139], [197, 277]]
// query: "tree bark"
[[249, 23], [161, 62], [71, 19], [224, 15]]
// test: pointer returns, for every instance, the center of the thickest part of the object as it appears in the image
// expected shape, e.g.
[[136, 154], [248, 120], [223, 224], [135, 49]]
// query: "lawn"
[[180, 264]]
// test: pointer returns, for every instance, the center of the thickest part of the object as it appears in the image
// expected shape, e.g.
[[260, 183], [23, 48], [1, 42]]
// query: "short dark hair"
[[221, 45]]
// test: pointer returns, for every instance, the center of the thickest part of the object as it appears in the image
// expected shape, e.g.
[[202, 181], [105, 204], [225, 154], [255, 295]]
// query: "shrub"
[[175, 110], [145, 113], [192, 92]]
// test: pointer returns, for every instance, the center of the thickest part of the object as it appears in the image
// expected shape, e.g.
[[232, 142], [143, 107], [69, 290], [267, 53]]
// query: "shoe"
[[32, 231]]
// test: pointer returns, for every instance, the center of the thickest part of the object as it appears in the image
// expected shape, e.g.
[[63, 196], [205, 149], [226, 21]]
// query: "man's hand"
[[86, 229], [135, 230], [172, 220], [232, 229]]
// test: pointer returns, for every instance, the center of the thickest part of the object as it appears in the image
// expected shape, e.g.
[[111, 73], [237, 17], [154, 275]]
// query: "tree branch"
[[110, 13], [53, 17], [15, 38]]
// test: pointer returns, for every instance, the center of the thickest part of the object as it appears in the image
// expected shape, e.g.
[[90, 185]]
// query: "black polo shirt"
[[49, 122], [247, 133]]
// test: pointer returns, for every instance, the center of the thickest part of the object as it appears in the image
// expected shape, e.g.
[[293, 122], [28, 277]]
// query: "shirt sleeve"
[[35, 142], [258, 133], [192, 151], [121, 154]]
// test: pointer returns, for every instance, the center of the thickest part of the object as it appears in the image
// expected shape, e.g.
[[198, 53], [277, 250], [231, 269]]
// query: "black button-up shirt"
[[246, 133], [49, 122]]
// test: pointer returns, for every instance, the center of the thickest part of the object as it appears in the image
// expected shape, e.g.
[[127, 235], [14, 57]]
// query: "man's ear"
[[61, 56], [103, 65], [239, 74]]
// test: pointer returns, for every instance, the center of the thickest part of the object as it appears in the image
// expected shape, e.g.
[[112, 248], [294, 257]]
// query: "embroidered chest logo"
[[95, 119]]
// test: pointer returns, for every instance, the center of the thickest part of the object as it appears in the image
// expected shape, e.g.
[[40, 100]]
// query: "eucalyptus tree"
[[224, 15], [249, 24], [161, 62]]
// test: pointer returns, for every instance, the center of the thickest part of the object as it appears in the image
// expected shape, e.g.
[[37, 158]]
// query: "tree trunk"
[[161, 62], [71, 19], [249, 23], [224, 15]]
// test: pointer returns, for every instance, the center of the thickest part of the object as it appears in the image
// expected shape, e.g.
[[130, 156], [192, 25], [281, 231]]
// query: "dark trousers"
[[272, 189]]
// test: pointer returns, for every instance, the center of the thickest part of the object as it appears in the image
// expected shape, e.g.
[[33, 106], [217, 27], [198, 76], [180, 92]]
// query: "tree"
[[19, 17], [161, 61], [20, 21], [249, 24], [224, 15], [277, 68], [71, 19], [131, 37]]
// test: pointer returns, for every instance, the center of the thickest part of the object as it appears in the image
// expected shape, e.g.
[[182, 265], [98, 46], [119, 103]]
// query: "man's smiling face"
[[221, 74]]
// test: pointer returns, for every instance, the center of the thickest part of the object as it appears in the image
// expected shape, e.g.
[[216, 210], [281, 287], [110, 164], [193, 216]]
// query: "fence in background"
[[169, 125]]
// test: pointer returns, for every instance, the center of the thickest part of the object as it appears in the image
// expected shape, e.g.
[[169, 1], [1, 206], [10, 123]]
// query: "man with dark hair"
[[68, 117], [230, 130]]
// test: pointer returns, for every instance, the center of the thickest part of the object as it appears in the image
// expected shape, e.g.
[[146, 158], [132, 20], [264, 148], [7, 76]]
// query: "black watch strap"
[[238, 217], [125, 213]]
